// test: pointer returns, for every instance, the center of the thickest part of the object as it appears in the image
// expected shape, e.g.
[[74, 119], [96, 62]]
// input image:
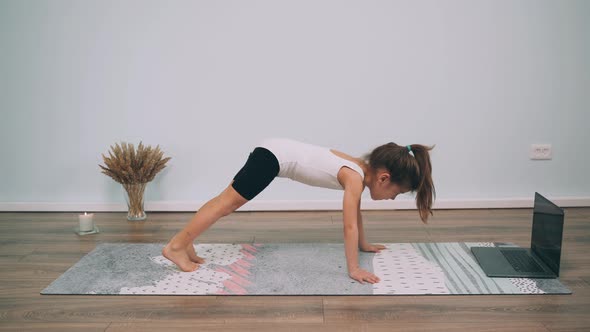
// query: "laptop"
[[541, 260]]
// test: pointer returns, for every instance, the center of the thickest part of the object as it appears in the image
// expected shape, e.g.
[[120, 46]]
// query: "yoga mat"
[[291, 269]]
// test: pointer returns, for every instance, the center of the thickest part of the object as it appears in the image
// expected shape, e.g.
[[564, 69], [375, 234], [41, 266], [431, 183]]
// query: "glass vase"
[[134, 196]]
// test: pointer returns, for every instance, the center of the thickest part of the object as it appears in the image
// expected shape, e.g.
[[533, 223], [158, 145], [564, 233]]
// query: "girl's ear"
[[384, 177]]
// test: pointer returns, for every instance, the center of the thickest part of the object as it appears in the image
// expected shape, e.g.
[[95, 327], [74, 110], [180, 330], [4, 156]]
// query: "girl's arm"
[[362, 240], [363, 244], [353, 188], [351, 205]]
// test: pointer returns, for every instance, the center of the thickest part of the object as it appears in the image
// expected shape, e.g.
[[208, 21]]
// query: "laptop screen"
[[547, 232]]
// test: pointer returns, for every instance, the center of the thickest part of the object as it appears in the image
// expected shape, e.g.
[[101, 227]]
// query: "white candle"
[[86, 223]]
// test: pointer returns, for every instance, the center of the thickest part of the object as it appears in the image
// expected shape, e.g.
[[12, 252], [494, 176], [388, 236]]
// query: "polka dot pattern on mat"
[[403, 270], [526, 285]]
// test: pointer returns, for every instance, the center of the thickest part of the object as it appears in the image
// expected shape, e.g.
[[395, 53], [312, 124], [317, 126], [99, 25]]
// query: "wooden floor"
[[36, 248]]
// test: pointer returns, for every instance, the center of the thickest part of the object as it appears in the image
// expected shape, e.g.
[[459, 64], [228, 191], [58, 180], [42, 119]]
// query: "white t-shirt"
[[307, 163]]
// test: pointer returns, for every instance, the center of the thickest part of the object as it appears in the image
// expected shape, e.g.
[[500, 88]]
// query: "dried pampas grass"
[[134, 169], [127, 166]]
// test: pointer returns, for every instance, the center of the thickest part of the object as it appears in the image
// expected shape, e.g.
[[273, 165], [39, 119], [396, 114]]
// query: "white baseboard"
[[292, 205]]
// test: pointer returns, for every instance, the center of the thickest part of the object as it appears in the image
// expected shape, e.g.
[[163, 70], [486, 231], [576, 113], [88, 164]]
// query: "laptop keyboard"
[[521, 261]]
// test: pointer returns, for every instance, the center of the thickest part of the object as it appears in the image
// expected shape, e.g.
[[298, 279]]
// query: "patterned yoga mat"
[[291, 269]]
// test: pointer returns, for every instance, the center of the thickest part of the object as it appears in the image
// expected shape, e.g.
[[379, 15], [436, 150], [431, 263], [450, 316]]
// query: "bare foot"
[[180, 258], [192, 254]]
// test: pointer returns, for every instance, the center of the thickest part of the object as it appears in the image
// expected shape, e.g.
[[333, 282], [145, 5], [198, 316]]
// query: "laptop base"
[[494, 264]]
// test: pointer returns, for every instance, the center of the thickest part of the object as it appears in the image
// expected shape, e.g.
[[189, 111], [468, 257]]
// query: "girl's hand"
[[361, 275], [372, 248]]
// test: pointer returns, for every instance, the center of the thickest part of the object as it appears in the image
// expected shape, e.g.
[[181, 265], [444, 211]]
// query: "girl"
[[389, 170]]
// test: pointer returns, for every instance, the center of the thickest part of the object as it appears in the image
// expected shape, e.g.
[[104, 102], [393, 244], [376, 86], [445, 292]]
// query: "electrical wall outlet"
[[541, 152]]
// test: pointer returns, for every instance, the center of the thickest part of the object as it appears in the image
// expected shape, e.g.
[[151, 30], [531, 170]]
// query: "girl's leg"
[[222, 205], [260, 169], [192, 254]]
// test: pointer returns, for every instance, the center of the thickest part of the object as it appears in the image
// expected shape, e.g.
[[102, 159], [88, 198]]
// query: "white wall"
[[206, 80]]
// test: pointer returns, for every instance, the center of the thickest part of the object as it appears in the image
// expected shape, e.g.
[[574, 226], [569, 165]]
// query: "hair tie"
[[410, 150]]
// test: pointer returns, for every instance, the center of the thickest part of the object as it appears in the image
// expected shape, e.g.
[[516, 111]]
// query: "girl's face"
[[383, 188]]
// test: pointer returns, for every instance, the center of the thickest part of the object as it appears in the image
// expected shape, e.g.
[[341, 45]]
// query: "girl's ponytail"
[[409, 166], [425, 192]]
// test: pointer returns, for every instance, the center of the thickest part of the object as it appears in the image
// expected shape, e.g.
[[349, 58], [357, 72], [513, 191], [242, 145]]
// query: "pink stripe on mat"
[[247, 254], [236, 289], [243, 263], [250, 248], [239, 270], [235, 278]]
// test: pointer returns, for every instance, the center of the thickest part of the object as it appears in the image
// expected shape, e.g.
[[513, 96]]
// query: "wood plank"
[[324, 327], [57, 327], [499, 309], [36, 248]]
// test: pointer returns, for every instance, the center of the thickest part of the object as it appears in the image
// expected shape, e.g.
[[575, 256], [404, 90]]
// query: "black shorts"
[[260, 169]]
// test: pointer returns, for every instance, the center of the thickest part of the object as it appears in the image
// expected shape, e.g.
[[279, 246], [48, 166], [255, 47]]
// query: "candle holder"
[[86, 224], [134, 196]]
